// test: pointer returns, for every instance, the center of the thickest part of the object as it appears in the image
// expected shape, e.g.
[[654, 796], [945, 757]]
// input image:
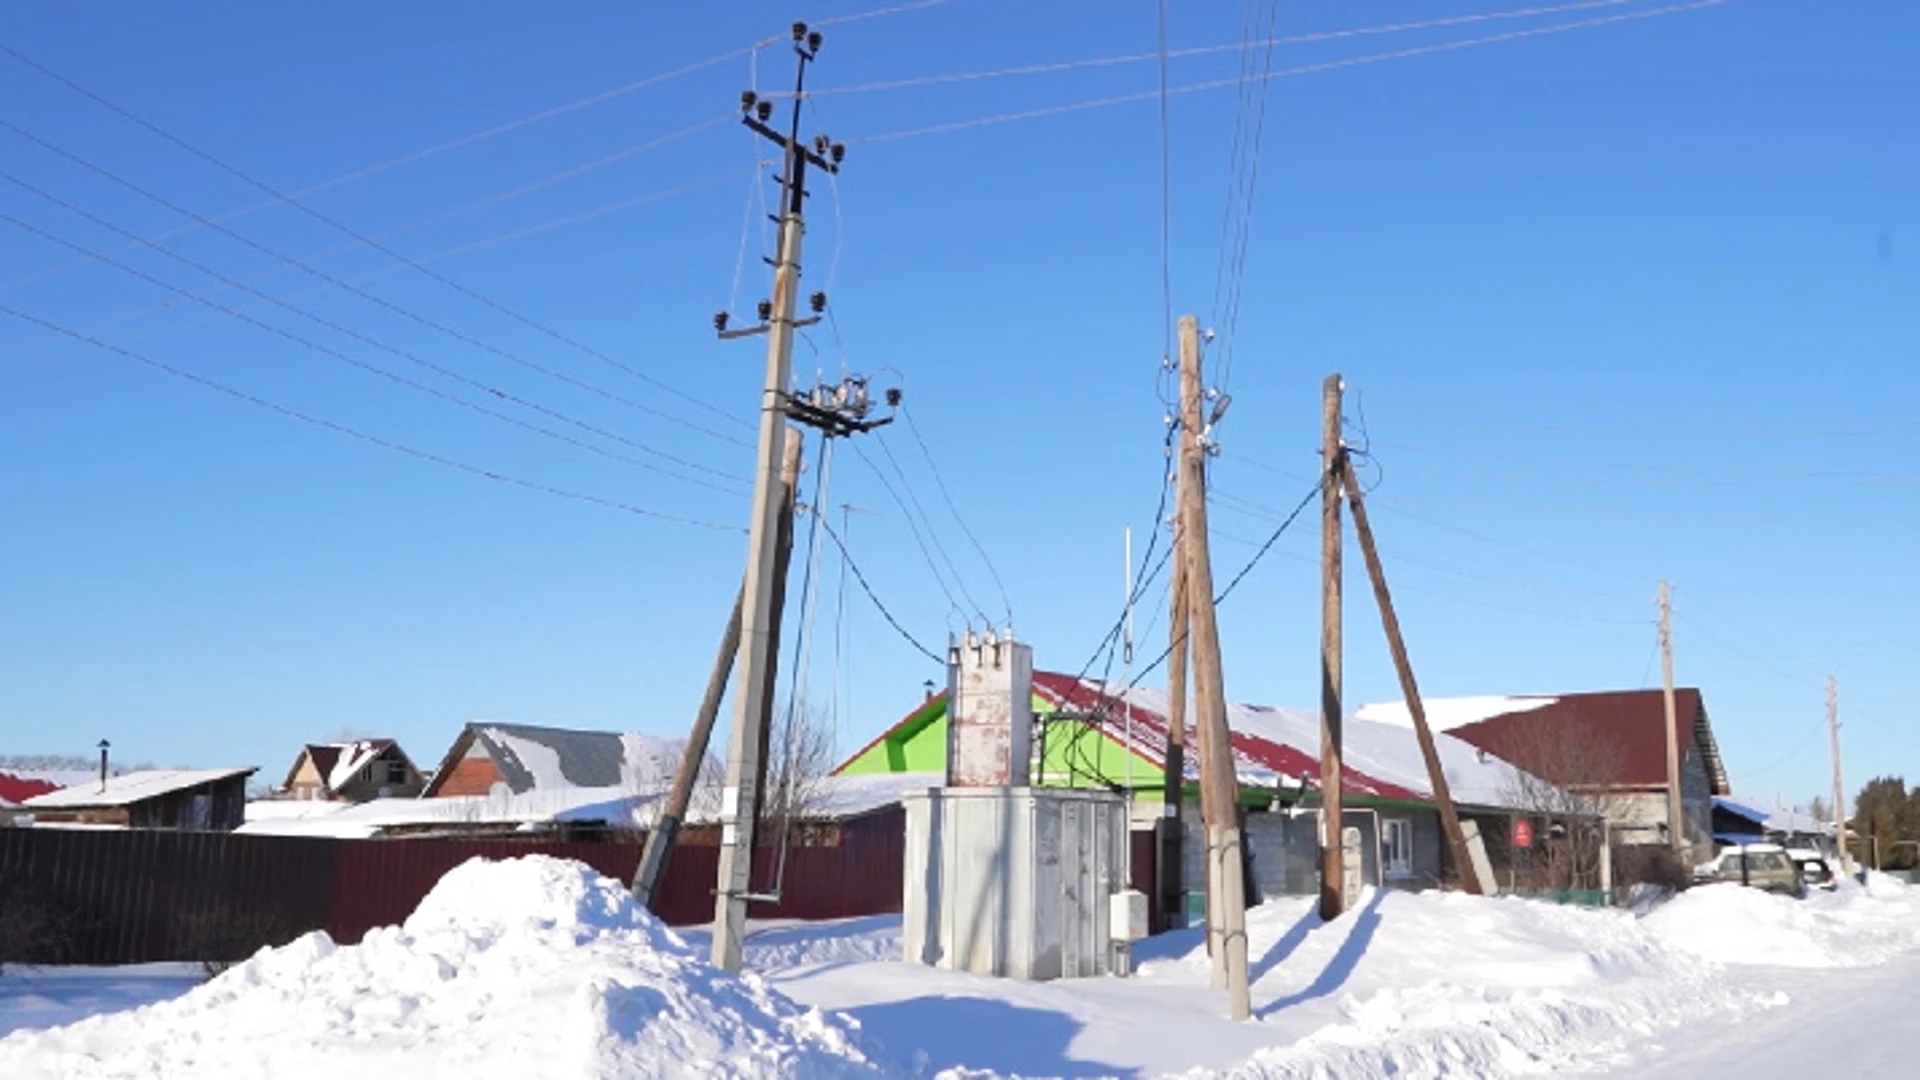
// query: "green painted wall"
[[919, 744]]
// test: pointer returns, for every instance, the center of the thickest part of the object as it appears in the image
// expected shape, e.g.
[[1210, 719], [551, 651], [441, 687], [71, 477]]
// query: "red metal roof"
[[18, 789], [1633, 720], [1150, 740]]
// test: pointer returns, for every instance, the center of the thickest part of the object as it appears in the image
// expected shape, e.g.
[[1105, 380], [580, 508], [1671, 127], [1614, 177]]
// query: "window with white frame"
[[1396, 846]]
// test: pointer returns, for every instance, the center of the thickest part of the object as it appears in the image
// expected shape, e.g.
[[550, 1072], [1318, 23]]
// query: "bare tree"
[[802, 752], [1565, 775]]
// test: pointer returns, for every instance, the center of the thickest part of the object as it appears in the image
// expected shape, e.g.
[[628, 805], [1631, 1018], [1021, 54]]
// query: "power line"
[[868, 589], [342, 429], [1103, 709], [434, 275], [1305, 69], [913, 526], [958, 517], [1205, 50], [1243, 233], [445, 253], [1166, 190], [460, 211], [373, 369], [322, 275], [471, 138]]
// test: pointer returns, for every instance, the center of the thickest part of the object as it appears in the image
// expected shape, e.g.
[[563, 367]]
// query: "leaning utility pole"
[[658, 852], [1332, 832], [1210, 703], [1463, 857], [755, 657], [1170, 866], [782, 558], [1839, 789], [1676, 823]]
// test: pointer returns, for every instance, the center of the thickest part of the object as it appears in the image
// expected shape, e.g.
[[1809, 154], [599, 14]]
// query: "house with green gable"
[[1089, 734]]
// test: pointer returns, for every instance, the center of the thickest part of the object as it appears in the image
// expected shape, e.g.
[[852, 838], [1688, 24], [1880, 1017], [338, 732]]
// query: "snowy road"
[[539, 959], [1797, 1042]]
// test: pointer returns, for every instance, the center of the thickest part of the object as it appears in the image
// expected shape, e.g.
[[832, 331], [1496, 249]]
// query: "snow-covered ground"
[[536, 961]]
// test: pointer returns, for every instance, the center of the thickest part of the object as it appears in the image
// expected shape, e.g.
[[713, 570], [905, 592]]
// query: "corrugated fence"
[[134, 896]]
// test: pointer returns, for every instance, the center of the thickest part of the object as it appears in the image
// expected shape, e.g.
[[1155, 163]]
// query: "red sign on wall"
[[1522, 833]]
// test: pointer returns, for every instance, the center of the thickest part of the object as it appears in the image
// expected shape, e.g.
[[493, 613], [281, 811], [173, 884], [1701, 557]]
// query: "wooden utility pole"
[[782, 558], [654, 857], [1676, 822], [1224, 851], [1332, 844], [1436, 775], [1171, 865], [1839, 788], [658, 852]]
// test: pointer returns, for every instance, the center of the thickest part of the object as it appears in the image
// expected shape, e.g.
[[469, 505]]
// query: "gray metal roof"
[[531, 758]]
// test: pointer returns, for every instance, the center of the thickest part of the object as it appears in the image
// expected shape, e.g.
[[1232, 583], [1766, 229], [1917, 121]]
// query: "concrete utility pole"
[[658, 852], [737, 809], [1436, 775], [1332, 848], [1676, 822], [1224, 851], [1839, 788]]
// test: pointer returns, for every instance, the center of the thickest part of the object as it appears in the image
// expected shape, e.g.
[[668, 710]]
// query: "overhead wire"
[[494, 131], [354, 433], [436, 256], [932, 533], [953, 604], [1243, 222], [959, 518], [797, 685], [249, 179], [1055, 67], [861, 579], [447, 215], [1105, 697], [322, 275], [373, 369], [1166, 194], [1304, 69]]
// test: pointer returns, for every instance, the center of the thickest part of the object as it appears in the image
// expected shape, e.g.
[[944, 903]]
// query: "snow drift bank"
[[530, 967], [1854, 926]]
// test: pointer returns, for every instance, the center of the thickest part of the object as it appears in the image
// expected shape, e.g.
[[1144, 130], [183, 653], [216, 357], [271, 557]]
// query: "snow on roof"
[[848, 796], [352, 757], [1445, 714], [1778, 819], [1380, 759], [540, 758], [133, 787], [608, 805], [292, 809]]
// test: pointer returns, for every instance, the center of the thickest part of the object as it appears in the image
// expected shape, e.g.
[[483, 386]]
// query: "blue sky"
[[1621, 302]]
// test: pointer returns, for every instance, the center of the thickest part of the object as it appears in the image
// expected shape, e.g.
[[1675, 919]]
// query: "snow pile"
[[1450, 984], [532, 966], [1853, 926]]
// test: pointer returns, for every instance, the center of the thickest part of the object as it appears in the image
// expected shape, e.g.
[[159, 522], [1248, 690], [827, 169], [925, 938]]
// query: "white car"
[[1759, 866], [1814, 870]]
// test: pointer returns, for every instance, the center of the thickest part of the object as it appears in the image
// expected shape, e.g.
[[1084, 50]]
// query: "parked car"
[[1759, 866], [1814, 870]]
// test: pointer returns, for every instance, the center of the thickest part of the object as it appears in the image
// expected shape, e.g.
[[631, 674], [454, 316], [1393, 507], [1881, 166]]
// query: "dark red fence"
[[132, 896]]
